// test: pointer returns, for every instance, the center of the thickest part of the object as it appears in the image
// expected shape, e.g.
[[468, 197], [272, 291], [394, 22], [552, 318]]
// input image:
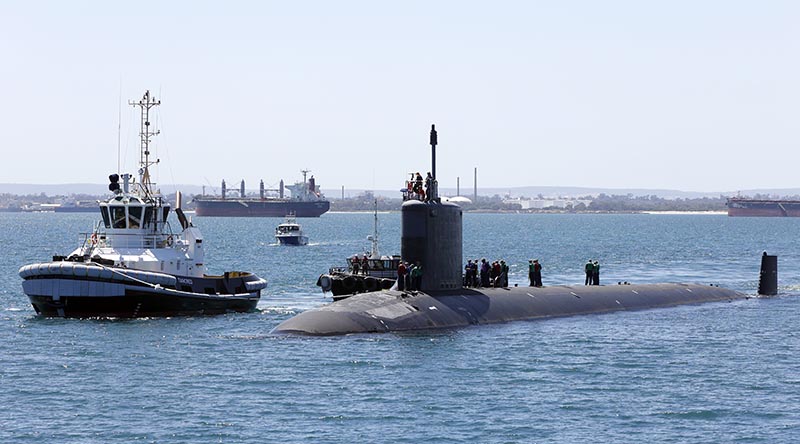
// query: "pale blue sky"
[[689, 95]]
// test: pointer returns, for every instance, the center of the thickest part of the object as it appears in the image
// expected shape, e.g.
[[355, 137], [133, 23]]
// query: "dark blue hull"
[[259, 208], [136, 304]]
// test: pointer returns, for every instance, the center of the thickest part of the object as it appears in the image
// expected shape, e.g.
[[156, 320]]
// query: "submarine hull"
[[388, 311]]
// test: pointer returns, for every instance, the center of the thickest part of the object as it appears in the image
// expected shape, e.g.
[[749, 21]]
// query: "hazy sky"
[[689, 95]]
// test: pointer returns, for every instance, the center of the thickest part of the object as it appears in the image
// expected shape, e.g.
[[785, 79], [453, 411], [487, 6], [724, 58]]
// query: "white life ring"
[[169, 240]]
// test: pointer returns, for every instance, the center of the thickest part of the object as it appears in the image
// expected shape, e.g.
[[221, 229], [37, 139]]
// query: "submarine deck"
[[391, 310]]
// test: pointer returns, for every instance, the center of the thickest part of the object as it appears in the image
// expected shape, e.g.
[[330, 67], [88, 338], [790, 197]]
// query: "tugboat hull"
[[344, 284], [76, 290], [137, 304]]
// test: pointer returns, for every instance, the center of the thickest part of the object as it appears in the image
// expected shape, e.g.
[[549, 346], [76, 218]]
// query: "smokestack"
[[261, 188], [241, 189], [223, 188], [458, 185], [342, 192], [281, 188]]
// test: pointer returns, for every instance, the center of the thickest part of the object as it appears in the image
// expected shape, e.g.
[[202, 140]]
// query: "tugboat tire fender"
[[325, 282], [349, 284], [371, 284]]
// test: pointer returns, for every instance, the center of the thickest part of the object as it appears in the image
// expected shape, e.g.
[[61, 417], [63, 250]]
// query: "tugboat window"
[[118, 216], [106, 220], [148, 216], [134, 217]]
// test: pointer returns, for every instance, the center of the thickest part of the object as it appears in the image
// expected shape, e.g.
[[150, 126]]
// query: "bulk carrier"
[[305, 200], [742, 207]]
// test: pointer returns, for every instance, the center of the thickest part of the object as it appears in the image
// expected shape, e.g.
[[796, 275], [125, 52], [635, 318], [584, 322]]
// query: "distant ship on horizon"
[[306, 200], [77, 207], [745, 207]]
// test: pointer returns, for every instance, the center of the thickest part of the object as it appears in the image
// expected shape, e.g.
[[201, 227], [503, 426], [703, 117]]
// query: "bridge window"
[[106, 220], [148, 216], [117, 216], [134, 217]]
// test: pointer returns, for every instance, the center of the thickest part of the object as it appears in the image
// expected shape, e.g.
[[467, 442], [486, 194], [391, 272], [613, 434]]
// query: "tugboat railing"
[[100, 239]]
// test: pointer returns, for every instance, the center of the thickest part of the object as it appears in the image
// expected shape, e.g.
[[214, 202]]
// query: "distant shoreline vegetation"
[[601, 203]]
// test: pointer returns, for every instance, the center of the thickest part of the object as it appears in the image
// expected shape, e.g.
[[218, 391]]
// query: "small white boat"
[[290, 232]]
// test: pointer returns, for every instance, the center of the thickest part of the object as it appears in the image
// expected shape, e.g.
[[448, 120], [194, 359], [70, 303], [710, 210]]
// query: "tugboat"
[[133, 264], [290, 233], [371, 272]]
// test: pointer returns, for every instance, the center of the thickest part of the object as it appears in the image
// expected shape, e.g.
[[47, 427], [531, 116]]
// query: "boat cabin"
[[133, 213]]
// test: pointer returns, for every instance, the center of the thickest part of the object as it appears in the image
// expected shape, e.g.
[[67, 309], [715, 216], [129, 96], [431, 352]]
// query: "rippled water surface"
[[721, 372]]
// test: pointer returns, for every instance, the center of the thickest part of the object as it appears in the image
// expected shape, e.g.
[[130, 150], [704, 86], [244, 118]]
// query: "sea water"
[[711, 373]]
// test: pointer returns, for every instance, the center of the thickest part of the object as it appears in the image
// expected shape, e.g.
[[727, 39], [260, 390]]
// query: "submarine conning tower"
[[431, 235]]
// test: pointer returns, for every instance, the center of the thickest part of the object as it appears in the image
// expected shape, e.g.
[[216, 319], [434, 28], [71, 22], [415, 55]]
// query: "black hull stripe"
[[141, 304]]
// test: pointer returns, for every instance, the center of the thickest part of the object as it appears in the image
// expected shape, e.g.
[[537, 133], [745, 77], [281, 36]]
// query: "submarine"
[[431, 233]]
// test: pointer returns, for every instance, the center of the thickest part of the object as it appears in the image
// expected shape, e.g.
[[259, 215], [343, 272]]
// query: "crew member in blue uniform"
[[537, 273], [530, 272], [596, 273]]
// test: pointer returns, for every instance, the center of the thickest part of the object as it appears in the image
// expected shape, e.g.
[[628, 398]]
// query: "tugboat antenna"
[[145, 134], [374, 253], [119, 129]]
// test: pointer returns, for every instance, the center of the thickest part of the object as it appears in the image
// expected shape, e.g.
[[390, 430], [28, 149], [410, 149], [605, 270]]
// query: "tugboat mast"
[[145, 134], [374, 238]]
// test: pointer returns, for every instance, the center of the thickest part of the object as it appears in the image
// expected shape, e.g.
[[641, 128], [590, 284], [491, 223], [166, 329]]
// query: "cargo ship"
[[77, 207], [743, 207], [305, 200]]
